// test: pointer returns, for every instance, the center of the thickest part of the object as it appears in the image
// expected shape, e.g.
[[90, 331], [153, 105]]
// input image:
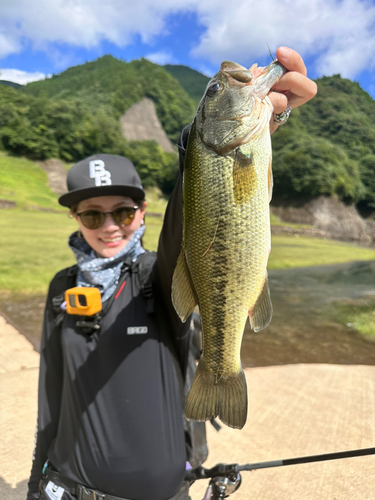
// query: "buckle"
[[88, 494]]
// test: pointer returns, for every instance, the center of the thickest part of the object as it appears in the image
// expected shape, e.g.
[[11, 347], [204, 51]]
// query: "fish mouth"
[[267, 77], [262, 79], [237, 74]]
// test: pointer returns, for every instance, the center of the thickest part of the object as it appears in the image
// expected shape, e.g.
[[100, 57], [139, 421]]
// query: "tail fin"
[[226, 399]]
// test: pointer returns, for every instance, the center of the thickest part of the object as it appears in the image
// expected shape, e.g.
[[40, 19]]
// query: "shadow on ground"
[[9, 493]]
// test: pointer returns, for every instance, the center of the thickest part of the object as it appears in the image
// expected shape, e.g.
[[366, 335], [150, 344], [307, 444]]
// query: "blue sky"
[[45, 37]]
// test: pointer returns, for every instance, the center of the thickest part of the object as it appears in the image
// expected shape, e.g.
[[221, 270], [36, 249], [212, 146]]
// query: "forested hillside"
[[10, 84], [193, 82], [76, 114], [114, 85], [327, 147]]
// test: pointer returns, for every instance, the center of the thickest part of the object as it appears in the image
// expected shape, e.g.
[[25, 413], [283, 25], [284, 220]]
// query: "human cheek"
[[90, 235]]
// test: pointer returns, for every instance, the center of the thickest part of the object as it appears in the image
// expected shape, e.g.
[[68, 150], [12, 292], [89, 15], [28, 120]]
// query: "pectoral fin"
[[183, 295], [244, 177], [261, 314]]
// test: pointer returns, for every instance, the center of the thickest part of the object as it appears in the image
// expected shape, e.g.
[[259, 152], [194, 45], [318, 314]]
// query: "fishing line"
[[270, 53]]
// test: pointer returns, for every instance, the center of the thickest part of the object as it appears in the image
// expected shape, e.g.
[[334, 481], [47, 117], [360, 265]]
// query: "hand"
[[294, 87]]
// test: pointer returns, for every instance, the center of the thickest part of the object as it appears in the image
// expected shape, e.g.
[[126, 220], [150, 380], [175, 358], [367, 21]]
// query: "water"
[[303, 328]]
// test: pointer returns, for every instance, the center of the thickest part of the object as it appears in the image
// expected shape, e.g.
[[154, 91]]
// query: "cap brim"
[[74, 197]]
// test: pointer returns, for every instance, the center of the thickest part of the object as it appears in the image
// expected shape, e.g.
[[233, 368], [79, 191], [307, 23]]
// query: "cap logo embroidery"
[[99, 173]]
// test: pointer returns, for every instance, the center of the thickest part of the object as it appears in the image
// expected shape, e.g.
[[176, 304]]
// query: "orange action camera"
[[83, 301]]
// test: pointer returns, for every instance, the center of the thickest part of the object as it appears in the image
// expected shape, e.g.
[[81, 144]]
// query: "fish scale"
[[226, 234]]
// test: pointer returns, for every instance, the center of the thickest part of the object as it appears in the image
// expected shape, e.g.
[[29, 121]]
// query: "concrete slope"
[[140, 123], [299, 410], [19, 365], [294, 410]]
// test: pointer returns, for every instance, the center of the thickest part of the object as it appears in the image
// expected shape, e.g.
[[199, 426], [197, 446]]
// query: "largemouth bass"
[[222, 266]]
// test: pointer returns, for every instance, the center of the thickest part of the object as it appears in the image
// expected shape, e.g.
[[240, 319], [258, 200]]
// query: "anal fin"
[[183, 297], [261, 314]]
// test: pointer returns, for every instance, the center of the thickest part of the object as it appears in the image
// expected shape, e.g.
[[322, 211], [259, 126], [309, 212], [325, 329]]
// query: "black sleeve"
[[49, 392], [170, 247]]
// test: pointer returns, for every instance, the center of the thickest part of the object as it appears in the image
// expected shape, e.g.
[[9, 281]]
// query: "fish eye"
[[213, 89]]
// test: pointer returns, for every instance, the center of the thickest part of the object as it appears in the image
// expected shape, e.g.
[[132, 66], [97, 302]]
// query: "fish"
[[222, 266]]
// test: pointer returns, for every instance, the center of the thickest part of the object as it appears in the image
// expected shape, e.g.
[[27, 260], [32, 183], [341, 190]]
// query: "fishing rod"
[[226, 478]]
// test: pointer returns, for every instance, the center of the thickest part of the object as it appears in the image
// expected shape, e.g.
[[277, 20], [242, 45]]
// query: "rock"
[[341, 221], [141, 123], [329, 216], [370, 229]]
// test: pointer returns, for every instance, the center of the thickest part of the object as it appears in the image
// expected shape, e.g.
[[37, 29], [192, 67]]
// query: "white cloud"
[[163, 57], [18, 76], [83, 23], [338, 34]]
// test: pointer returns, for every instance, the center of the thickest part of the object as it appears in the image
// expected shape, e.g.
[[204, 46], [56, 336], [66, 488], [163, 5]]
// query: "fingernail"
[[284, 52]]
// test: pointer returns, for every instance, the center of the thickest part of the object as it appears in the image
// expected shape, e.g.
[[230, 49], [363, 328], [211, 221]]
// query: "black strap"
[[88, 324], [141, 266], [68, 278], [144, 268]]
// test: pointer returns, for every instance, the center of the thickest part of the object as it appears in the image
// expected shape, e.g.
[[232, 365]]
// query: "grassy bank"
[[359, 315], [25, 183], [296, 251], [34, 247]]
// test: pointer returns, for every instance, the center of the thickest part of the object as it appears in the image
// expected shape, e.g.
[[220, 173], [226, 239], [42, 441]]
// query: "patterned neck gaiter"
[[103, 273]]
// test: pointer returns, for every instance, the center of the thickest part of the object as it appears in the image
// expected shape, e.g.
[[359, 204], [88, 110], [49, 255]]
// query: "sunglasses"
[[93, 219]]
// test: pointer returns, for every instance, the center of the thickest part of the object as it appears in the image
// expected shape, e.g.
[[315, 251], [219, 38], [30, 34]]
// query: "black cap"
[[102, 175]]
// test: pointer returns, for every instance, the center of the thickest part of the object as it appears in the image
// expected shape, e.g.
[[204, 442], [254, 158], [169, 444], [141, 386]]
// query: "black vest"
[[121, 414]]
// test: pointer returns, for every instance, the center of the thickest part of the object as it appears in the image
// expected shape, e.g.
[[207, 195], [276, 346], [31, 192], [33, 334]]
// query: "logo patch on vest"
[[137, 330], [99, 173]]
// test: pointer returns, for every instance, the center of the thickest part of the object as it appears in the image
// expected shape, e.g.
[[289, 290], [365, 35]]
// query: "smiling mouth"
[[111, 240]]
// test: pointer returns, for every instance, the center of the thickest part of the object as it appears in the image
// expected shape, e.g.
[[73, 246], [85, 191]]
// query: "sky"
[[45, 37]]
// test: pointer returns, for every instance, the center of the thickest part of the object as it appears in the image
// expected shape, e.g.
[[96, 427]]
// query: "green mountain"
[[193, 82], [116, 85], [327, 146], [76, 114], [10, 84]]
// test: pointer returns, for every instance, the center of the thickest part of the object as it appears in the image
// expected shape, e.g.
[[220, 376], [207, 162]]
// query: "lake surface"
[[304, 328]]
